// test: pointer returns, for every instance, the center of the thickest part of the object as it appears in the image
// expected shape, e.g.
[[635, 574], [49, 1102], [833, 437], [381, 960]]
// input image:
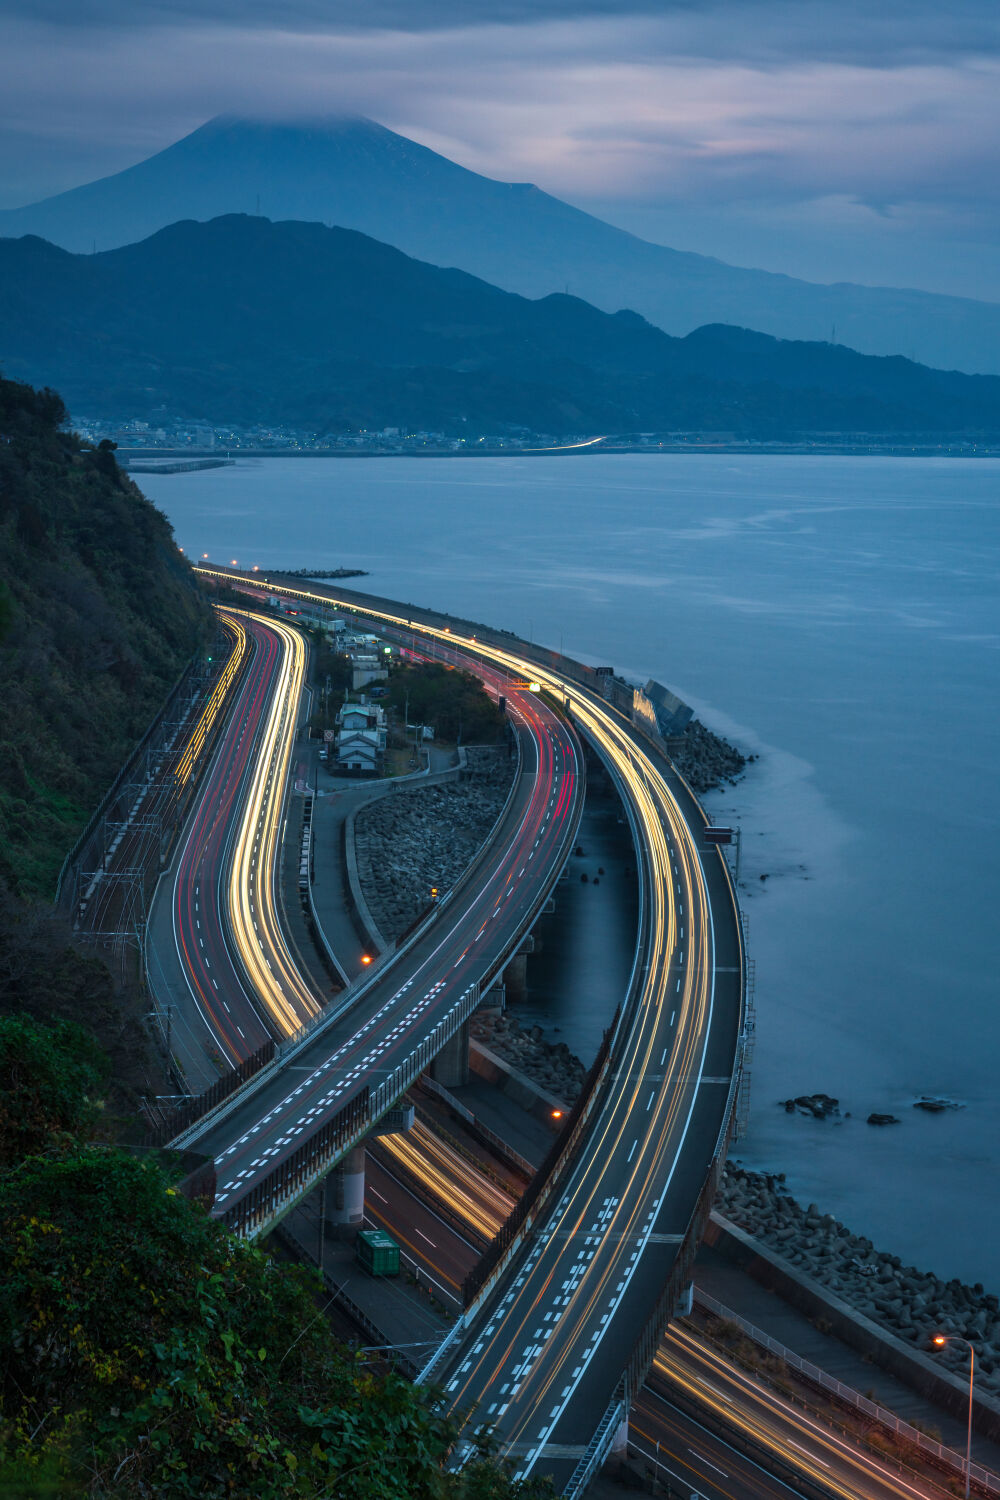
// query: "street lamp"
[[939, 1340]]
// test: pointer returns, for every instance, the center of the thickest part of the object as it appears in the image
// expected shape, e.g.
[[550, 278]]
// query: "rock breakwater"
[[706, 760], [913, 1305], [549, 1064], [419, 837]]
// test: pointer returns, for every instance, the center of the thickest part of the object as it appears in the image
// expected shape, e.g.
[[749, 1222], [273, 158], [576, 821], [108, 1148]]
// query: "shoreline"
[[662, 450]]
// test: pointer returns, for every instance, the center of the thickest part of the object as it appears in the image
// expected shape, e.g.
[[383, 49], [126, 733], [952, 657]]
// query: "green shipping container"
[[377, 1253]]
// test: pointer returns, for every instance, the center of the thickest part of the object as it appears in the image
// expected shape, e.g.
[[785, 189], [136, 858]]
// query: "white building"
[[361, 735]]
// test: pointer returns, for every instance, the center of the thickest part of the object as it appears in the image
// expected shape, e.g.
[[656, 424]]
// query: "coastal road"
[[734, 1430], [333, 1074], [541, 1355], [215, 947]]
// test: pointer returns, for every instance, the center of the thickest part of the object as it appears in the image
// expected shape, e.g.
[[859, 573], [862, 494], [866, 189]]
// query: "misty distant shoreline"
[[886, 450]]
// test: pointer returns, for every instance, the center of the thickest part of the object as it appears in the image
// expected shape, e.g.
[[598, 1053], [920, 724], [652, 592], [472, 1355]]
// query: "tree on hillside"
[[52, 1080], [145, 1351]]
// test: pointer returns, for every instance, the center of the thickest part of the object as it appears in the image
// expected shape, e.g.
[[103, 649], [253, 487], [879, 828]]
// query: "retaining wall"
[[918, 1370]]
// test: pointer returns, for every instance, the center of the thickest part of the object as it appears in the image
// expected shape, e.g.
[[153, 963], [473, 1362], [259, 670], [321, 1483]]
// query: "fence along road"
[[561, 1336], [300, 1114]]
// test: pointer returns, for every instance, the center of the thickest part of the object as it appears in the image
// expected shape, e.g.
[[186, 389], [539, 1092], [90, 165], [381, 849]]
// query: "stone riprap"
[[913, 1305], [706, 760], [419, 837], [549, 1064]]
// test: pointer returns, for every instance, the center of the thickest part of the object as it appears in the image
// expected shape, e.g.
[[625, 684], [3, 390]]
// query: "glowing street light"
[[939, 1340], [366, 958]]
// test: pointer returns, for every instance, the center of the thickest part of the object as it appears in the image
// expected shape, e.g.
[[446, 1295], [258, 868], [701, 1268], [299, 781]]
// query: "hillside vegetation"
[[146, 1352], [99, 614], [241, 320]]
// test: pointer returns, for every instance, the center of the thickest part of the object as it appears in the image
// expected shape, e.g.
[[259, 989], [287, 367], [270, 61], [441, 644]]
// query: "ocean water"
[[839, 617]]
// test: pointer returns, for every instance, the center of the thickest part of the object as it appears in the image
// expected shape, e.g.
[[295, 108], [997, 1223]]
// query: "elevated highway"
[[340, 1072], [560, 1334]]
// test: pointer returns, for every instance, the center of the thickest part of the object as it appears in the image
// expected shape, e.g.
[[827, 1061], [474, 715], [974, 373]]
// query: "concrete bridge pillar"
[[451, 1066], [515, 976], [345, 1194]]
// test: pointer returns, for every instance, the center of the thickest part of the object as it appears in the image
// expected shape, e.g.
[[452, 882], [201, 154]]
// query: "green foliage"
[[99, 614], [453, 702], [144, 1351], [43, 976], [51, 1082]]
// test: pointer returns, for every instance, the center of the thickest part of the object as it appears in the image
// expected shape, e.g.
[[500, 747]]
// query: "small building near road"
[[361, 736]]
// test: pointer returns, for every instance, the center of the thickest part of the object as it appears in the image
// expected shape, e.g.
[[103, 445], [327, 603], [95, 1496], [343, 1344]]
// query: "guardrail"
[[980, 1475], [197, 1108], [545, 1180], [274, 1195], [597, 1450]]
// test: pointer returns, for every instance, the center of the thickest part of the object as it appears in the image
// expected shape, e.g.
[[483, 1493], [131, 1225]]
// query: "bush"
[[51, 1082], [146, 1352]]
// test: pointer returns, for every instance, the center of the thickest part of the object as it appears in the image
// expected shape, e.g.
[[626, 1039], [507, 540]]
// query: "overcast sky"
[[832, 139]]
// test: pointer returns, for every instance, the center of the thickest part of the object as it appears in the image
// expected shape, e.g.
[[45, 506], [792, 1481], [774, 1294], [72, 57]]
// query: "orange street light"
[[366, 958], [939, 1340], [557, 1114]]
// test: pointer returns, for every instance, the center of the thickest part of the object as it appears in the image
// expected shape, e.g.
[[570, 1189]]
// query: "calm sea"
[[838, 616]]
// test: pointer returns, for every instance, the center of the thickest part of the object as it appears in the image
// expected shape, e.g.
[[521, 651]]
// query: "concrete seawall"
[[803, 1292]]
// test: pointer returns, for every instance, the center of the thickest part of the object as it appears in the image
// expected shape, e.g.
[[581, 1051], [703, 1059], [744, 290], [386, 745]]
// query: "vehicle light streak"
[[250, 896], [833, 1460], [467, 1192], [210, 712], [574, 1270]]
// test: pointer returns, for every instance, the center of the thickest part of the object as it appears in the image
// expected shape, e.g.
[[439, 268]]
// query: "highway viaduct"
[[566, 1314]]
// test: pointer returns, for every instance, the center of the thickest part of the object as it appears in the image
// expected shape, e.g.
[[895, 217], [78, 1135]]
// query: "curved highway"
[[216, 947], [541, 1355], [345, 1072], [417, 1189]]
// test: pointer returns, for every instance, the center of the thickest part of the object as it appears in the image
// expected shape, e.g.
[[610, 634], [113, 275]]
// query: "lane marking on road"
[[634, 1145], [708, 1465], [793, 1444]]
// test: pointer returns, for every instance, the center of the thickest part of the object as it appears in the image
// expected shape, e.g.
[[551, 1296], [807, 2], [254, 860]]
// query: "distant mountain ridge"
[[356, 174], [239, 319]]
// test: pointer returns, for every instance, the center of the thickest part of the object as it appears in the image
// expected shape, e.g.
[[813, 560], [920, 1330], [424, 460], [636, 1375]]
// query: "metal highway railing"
[[274, 1194], [984, 1477], [597, 1451]]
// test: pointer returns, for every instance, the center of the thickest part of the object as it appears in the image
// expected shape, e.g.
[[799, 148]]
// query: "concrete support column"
[[345, 1194], [515, 977], [451, 1066]]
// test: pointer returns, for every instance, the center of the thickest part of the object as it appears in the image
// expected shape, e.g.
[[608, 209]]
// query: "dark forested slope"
[[241, 320], [99, 614]]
